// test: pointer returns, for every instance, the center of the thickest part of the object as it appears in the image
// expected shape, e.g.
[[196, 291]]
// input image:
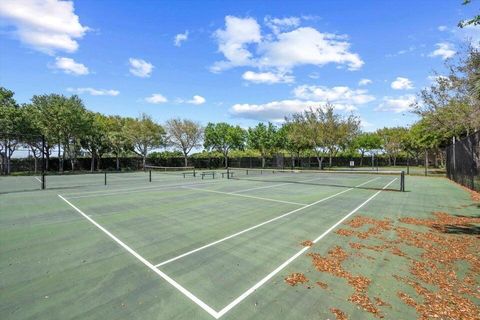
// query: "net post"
[[402, 181], [150, 175], [194, 173], [105, 173], [228, 173]]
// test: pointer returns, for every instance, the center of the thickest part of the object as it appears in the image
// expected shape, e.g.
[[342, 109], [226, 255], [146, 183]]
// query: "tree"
[[33, 138], [184, 135], [264, 139], [145, 135], [392, 139], [324, 130], [452, 103], [62, 120], [11, 122], [469, 22], [309, 125], [118, 138], [366, 142], [95, 138], [293, 140], [224, 137], [339, 131]]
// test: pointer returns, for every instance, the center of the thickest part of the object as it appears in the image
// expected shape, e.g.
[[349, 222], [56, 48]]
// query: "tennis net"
[[367, 179], [176, 171]]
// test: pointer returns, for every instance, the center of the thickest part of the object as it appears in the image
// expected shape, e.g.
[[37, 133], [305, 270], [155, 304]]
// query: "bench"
[[228, 174], [189, 173], [208, 173]]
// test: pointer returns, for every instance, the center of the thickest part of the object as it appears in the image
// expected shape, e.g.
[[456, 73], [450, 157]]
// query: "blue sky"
[[234, 61]]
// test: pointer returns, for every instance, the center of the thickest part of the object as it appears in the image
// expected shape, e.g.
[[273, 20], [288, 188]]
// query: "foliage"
[[324, 130], [366, 142], [145, 135], [224, 137], [475, 21], [184, 135], [264, 139], [392, 141]]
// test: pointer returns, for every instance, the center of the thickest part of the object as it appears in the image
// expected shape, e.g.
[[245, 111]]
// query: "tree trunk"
[[92, 163], [330, 160], [263, 162], [99, 162], [320, 161], [9, 157], [47, 158], [144, 161], [226, 159], [185, 157], [60, 162], [117, 162], [361, 159], [394, 161]]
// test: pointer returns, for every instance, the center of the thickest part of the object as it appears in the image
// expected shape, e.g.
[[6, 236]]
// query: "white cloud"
[[179, 38], [335, 95], [197, 100], [268, 77], [94, 92], [342, 98], [70, 66], [242, 44], [305, 46], [397, 104], [233, 41], [281, 24], [442, 28], [46, 26], [276, 110], [140, 68], [401, 83], [156, 98], [444, 50], [364, 82]]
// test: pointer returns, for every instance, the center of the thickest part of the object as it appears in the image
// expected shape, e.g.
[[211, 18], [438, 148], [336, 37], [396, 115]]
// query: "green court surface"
[[190, 248]]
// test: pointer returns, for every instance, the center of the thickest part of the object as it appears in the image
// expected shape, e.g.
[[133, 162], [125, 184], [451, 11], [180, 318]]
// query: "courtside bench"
[[208, 173], [185, 174], [228, 174]]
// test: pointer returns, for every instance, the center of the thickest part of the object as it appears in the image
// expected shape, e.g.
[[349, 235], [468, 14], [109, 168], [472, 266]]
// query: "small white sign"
[[352, 163]]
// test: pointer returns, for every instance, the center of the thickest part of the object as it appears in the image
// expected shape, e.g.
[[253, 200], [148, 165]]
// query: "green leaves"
[[224, 137], [184, 135]]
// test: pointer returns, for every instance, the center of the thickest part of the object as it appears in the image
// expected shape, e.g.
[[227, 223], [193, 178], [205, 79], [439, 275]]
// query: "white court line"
[[259, 225], [133, 190], [38, 179], [295, 256], [243, 195], [187, 293]]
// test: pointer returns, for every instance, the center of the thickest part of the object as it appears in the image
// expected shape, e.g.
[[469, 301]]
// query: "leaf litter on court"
[[441, 254]]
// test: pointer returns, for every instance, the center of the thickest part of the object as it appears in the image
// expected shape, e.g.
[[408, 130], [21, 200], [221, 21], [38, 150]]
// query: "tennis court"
[[184, 246]]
